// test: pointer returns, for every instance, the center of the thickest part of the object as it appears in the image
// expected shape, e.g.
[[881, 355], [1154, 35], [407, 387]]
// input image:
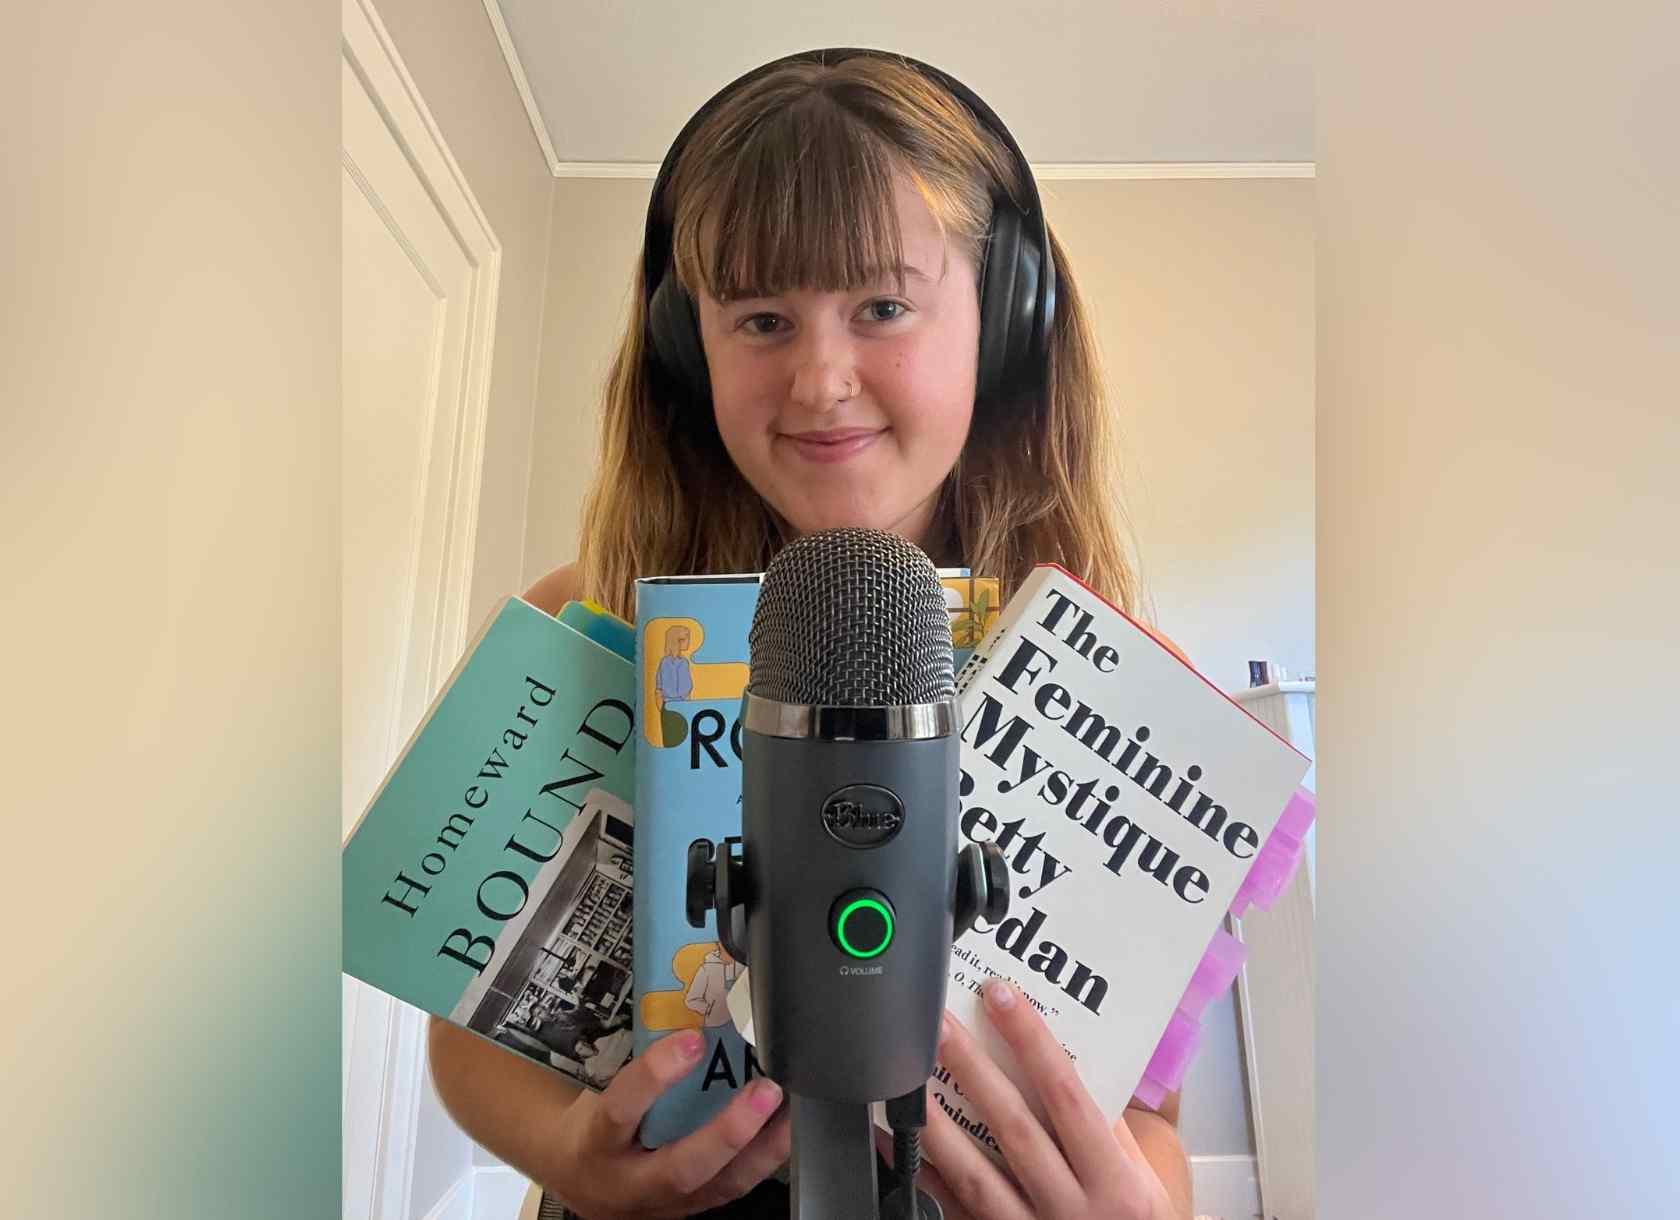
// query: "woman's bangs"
[[807, 202]]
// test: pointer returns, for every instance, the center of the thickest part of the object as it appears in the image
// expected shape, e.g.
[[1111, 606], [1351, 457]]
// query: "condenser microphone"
[[845, 888], [849, 768]]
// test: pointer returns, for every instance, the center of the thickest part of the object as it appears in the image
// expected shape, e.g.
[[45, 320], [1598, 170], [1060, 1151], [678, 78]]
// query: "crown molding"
[[1070, 170], [1045, 171], [606, 169], [493, 10]]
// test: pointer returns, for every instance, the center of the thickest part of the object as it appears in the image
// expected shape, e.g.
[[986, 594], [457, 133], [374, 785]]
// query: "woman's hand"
[[1084, 1166], [600, 1172]]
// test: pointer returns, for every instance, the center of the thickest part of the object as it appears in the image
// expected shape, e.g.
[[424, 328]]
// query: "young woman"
[[841, 320]]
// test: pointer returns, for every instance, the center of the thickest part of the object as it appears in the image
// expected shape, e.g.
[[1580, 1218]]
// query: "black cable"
[[907, 1156], [907, 1115]]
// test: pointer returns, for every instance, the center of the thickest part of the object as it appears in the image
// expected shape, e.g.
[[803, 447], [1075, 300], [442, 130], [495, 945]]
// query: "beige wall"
[[598, 236], [1202, 292], [452, 53]]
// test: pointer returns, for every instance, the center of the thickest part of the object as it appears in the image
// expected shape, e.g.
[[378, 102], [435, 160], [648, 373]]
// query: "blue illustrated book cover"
[[691, 645], [691, 671]]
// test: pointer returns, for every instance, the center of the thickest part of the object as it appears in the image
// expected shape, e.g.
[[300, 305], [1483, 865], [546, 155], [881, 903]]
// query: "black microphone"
[[849, 755], [847, 887]]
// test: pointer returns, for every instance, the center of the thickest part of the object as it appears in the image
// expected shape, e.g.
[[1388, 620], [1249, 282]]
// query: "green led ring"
[[840, 928]]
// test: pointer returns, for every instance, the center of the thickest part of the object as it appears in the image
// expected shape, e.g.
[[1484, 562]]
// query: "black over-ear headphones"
[[1017, 279]]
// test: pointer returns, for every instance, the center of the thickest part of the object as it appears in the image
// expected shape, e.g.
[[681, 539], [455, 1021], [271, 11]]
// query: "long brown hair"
[[789, 183]]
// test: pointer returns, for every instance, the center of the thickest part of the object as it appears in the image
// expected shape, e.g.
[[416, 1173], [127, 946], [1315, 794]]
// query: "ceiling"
[[1100, 85]]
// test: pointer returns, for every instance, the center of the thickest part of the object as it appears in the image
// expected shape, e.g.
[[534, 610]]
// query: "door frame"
[[385, 1040]]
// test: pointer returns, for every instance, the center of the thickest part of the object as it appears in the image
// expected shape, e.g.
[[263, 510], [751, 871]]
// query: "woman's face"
[[849, 408]]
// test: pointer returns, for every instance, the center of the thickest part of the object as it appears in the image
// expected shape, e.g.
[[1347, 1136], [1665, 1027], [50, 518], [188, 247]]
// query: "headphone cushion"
[[674, 327], [1008, 301], [1024, 324]]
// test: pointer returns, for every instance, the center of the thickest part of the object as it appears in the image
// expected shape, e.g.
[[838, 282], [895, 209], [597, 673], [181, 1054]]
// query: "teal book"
[[691, 671], [489, 880]]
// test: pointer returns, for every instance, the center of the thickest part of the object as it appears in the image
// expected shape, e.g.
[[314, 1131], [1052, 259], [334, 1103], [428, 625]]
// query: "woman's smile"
[[833, 445]]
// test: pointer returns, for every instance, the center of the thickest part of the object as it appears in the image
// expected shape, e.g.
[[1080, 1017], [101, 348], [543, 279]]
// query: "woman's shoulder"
[[553, 591]]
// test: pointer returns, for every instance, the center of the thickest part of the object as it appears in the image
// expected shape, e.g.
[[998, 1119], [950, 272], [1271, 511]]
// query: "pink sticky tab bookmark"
[[1214, 973], [1297, 816], [1276, 861], [1172, 1057], [1274, 864]]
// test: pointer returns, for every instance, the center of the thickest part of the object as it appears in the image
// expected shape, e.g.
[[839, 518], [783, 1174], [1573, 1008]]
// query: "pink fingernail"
[[766, 1096], [692, 1044], [999, 994]]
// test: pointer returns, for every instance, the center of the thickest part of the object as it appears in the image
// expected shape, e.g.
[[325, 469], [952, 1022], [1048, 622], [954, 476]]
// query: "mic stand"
[[832, 1170], [833, 1174]]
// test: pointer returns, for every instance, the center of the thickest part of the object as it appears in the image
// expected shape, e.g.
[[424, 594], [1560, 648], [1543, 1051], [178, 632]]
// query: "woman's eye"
[[760, 323], [874, 309]]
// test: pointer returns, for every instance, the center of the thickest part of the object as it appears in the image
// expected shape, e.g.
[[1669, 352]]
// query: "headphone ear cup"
[[674, 329], [1044, 317], [996, 288], [1024, 325], [1008, 302]]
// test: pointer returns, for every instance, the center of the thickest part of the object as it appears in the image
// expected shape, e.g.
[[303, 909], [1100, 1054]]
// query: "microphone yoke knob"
[[982, 886], [702, 882], [861, 923]]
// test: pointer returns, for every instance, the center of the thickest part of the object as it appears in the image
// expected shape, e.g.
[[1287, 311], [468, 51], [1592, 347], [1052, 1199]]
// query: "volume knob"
[[861, 923]]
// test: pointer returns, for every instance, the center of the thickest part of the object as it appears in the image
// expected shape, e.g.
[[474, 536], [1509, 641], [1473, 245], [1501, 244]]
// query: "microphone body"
[[845, 888], [849, 766], [828, 823]]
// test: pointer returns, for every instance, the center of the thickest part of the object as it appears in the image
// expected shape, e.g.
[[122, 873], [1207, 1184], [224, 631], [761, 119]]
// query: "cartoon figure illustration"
[[673, 682], [673, 674], [707, 993], [704, 973]]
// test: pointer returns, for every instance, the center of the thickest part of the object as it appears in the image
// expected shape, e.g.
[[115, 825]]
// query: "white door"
[[420, 271]]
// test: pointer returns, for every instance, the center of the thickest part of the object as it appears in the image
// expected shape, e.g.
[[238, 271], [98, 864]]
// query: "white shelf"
[[1303, 686]]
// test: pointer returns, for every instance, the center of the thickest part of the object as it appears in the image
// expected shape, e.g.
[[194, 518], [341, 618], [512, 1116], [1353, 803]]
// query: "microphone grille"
[[851, 618]]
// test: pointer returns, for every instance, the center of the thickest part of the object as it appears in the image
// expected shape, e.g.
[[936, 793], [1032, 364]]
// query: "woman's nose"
[[825, 371]]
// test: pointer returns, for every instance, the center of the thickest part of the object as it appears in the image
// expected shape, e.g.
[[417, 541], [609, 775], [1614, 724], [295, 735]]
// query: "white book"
[[1129, 796]]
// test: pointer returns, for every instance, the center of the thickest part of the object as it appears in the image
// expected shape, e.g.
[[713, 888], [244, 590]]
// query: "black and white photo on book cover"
[[562, 994]]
